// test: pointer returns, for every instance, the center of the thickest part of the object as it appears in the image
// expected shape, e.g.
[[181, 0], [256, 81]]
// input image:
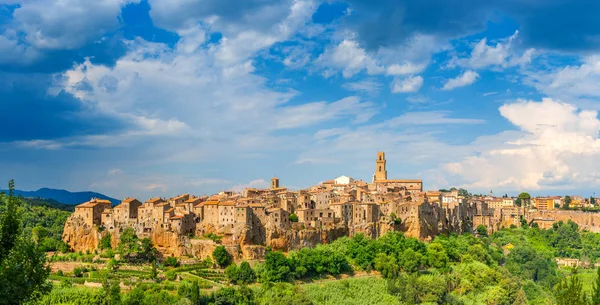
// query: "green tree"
[[277, 267], [23, 270], [171, 261], [222, 257], [524, 198], [105, 241], [596, 292], [520, 298], [569, 291], [111, 290], [592, 201], [438, 258], [293, 217], [387, 265], [464, 193], [39, 233], [567, 202], [482, 230], [246, 274]]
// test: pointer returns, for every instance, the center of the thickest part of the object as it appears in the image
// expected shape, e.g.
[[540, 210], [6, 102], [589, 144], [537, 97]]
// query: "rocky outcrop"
[[80, 236], [287, 240]]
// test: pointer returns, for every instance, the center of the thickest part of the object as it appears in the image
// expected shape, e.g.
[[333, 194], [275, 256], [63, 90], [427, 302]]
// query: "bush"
[[240, 275], [222, 257], [105, 242], [171, 262], [293, 217], [77, 272], [170, 275]]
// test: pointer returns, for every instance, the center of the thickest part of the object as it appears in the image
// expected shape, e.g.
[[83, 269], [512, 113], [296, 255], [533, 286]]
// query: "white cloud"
[[465, 79], [555, 148], [350, 58], [501, 55], [576, 82], [258, 183], [430, 118], [366, 85], [409, 84], [67, 24]]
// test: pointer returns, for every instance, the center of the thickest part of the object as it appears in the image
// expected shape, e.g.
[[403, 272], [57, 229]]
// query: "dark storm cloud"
[[28, 112], [561, 25]]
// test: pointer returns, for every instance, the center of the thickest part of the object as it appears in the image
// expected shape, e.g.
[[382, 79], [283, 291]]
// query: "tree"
[[171, 261], [293, 217], [464, 193], [277, 267], [596, 292], [386, 264], [524, 198], [23, 275], [438, 258], [110, 289], [482, 230], [567, 202], [105, 241], [592, 201], [569, 291], [520, 298], [222, 257], [245, 274]]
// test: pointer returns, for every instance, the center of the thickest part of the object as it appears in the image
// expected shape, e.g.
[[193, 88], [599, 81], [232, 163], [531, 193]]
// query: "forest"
[[511, 266]]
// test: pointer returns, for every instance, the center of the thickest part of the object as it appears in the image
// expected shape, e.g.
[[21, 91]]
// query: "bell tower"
[[380, 170], [274, 182]]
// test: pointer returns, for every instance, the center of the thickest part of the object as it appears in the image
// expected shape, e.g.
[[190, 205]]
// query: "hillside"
[[43, 220], [64, 196]]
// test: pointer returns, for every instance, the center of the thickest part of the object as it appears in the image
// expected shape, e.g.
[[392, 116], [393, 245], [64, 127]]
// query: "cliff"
[[80, 236]]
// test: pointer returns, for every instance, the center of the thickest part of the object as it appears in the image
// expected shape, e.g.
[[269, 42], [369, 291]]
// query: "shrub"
[[293, 217], [222, 257], [105, 242], [170, 275], [171, 261], [77, 272]]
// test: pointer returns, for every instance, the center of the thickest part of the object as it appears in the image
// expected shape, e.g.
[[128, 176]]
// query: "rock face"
[[249, 241], [79, 236], [586, 220]]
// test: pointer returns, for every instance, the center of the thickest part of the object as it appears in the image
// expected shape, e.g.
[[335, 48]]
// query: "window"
[[380, 168]]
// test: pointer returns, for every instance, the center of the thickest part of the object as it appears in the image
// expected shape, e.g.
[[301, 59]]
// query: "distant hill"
[[64, 196]]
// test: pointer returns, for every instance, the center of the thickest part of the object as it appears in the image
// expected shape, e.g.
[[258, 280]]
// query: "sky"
[[157, 98]]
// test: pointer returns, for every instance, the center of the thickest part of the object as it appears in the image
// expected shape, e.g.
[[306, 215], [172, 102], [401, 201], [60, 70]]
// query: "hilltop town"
[[250, 221]]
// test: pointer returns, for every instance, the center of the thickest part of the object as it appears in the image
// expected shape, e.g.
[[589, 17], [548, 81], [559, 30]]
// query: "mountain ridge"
[[64, 196]]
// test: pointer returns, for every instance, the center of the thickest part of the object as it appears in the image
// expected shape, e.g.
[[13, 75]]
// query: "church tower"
[[380, 170], [274, 182]]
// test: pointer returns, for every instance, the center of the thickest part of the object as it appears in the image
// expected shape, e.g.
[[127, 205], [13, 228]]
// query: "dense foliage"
[[222, 257], [136, 250], [23, 270]]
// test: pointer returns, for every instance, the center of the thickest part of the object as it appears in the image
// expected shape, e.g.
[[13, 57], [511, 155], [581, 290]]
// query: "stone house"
[[179, 199], [126, 211], [211, 212], [226, 213], [278, 218], [364, 213], [342, 211], [303, 200], [243, 215], [321, 199], [91, 211]]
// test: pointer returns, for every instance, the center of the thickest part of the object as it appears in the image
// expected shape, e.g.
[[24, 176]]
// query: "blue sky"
[[156, 98]]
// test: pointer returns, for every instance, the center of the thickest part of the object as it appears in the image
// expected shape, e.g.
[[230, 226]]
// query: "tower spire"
[[380, 169]]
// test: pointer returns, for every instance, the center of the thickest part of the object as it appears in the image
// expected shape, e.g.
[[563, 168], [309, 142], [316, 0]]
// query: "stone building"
[[91, 211]]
